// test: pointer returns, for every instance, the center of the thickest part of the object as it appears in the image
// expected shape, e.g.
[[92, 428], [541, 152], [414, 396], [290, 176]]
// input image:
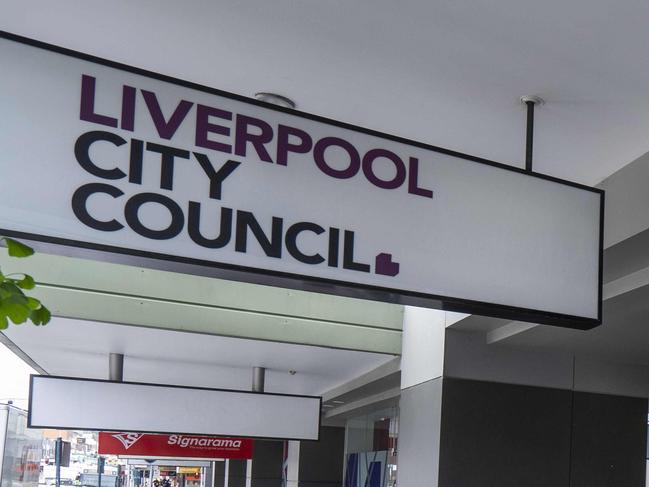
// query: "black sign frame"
[[187, 265]]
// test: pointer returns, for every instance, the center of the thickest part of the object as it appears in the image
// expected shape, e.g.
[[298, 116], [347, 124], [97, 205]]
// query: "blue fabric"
[[351, 474], [374, 475]]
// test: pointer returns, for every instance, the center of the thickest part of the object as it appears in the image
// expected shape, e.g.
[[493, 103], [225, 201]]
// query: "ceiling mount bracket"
[[530, 101], [275, 99]]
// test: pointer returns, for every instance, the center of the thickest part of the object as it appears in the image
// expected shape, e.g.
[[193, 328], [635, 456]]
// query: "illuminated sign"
[[176, 174]]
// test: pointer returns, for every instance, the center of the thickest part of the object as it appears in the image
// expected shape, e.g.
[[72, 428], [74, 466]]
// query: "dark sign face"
[[173, 446], [136, 163]]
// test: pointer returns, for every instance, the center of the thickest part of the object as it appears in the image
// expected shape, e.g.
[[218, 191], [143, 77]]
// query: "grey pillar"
[[116, 367], [258, 379]]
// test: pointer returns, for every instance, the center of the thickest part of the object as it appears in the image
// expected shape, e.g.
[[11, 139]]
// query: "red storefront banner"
[[173, 446]]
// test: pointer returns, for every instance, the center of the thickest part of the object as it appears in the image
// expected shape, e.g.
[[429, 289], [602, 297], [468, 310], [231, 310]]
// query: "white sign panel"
[[84, 404], [108, 157]]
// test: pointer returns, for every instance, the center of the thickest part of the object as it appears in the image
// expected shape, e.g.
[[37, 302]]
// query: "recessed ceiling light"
[[275, 99], [338, 402]]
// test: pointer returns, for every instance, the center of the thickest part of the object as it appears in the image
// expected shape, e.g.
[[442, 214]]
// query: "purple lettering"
[[258, 140], [413, 176], [368, 169], [354, 158], [128, 108], [166, 129], [87, 111], [284, 146], [204, 127]]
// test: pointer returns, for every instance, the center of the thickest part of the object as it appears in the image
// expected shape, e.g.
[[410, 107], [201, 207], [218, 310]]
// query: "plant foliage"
[[15, 305]]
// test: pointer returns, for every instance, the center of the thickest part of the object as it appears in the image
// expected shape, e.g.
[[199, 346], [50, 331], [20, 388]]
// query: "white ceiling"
[[79, 348], [444, 72]]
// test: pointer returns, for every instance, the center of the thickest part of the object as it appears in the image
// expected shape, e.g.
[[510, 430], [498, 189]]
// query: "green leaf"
[[16, 309], [9, 289], [15, 306], [4, 294], [33, 303], [18, 249], [27, 282], [40, 316]]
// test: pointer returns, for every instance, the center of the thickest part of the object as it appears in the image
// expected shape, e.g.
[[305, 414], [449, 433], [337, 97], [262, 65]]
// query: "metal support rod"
[[116, 367], [58, 452], [530, 101], [258, 379], [100, 470], [529, 139]]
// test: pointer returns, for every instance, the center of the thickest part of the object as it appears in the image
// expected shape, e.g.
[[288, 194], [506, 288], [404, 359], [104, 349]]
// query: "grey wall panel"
[[501, 435], [267, 460], [468, 356], [609, 441], [321, 462], [419, 431], [237, 473], [219, 474]]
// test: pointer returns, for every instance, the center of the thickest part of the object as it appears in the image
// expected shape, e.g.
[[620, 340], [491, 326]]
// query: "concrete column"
[[293, 464], [422, 366]]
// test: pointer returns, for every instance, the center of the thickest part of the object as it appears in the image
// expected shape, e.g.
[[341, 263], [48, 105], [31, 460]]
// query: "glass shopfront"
[[371, 449], [21, 452]]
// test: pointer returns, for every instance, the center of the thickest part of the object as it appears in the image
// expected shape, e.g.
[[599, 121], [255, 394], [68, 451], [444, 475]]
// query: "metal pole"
[[100, 470], [116, 367], [58, 452], [258, 379], [529, 140], [530, 102]]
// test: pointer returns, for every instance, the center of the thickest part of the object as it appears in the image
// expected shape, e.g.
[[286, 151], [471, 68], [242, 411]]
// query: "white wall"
[[422, 344]]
